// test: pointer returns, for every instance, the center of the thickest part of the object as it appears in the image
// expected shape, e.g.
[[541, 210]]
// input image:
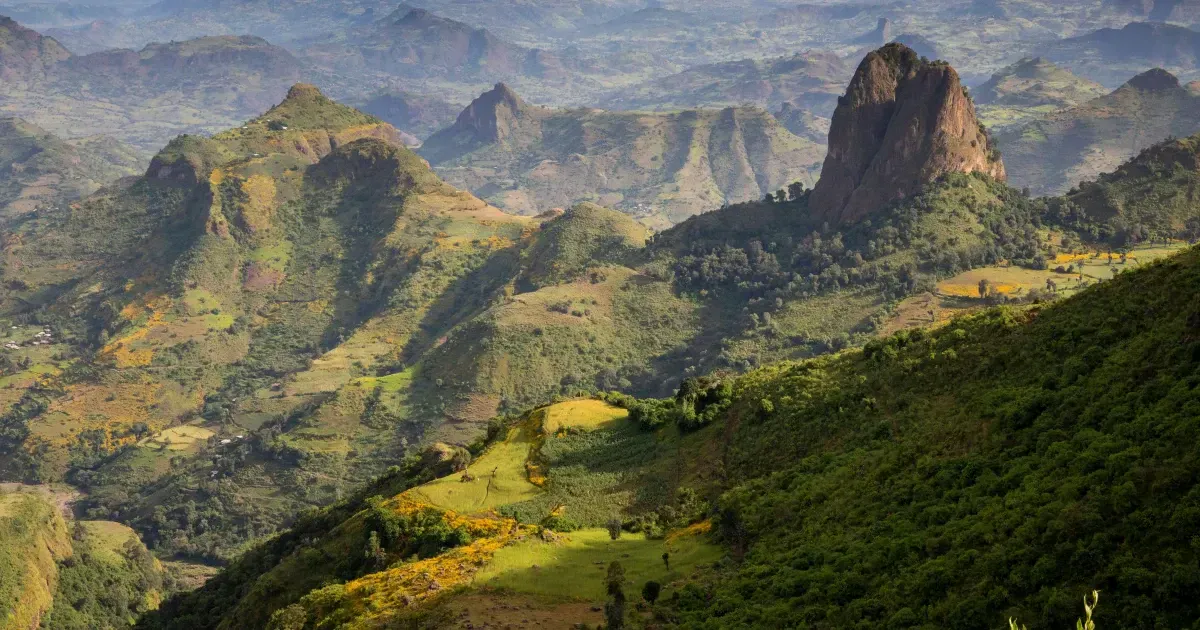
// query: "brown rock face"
[[902, 124]]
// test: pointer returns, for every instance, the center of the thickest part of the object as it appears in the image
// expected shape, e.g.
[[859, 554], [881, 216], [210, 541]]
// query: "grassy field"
[[498, 477], [181, 438], [582, 414], [574, 568], [108, 539], [501, 475]]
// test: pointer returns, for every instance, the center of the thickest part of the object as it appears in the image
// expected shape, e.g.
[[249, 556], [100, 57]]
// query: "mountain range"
[[1048, 429], [1051, 153], [781, 342], [140, 97], [1112, 55], [661, 168]]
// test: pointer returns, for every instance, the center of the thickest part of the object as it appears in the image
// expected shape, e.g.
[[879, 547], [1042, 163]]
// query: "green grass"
[[499, 476], [582, 414], [574, 568], [107, 540]]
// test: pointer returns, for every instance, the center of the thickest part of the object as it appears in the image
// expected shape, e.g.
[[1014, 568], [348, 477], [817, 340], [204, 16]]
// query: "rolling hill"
[[660, 168], [1052, 153]]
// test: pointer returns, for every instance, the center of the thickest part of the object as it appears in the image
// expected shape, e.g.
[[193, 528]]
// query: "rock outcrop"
[[902, 123]]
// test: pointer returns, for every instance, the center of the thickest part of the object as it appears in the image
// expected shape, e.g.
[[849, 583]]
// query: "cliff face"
[[901, 124]]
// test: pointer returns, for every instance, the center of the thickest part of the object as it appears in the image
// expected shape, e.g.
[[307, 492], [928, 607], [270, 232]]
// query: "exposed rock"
[[903, 123], [882, 34]]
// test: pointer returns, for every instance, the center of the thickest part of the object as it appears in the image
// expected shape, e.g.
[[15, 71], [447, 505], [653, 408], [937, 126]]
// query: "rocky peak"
[[902, 123], [491, 117], [882, 33], [1154, 80]]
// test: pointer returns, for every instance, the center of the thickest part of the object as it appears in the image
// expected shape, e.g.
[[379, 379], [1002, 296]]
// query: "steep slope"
[[1054, 152], [34, 539], [42, 170], [902, 123], [1030, 87], [1111, 55], [60, 573], [810, 80], [661, 168], [26, 54], [954, 478]]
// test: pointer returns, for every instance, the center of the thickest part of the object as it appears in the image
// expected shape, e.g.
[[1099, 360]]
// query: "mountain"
[[903, 122], [272, 316], [880, 35], [1054, 152], [1111, 55], [26, 54], [1030, 87], [416, 43], [299, 313], [769, 499], [658, 167], [1036, 82], [173, 20], [1148, 198], [420, 115], [42, 170], [1179, 11], [810, 80], [144, 97]]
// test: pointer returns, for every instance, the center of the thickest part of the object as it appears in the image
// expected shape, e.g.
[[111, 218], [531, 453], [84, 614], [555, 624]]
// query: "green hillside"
[[1000, 466], [61, 574], [272, 317]]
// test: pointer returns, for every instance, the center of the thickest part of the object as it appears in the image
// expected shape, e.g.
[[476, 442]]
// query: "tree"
[[614, 528], [374, 552], [651, 591], [795, 190], [293, 617], [614, 584]]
